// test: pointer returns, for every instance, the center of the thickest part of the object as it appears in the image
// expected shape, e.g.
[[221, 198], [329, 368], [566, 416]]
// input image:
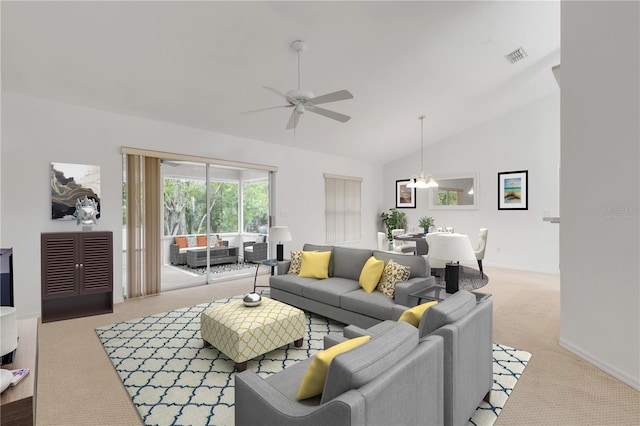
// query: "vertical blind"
[[143, 225], [343, 208]]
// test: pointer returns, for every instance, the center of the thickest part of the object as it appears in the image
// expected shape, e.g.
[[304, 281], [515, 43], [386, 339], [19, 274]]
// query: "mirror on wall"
[[455, 192]]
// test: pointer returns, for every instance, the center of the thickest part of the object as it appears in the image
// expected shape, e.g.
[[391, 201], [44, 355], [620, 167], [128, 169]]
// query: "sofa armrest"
[[333, 339], [352, 331], [259, 403], [283, 267], [414, 284]]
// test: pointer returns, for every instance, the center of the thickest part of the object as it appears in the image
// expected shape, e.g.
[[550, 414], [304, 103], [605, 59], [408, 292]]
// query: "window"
[[185, 206], [448, 197], [255, 207], [343, 208]]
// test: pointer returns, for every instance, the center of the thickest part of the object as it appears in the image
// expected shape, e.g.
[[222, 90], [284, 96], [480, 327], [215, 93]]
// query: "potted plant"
[[393, 220], [425, 223]]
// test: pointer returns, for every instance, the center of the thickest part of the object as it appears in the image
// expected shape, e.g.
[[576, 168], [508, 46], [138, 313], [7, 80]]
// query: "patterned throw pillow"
[[296, 262], [192, 241], [393, 274]]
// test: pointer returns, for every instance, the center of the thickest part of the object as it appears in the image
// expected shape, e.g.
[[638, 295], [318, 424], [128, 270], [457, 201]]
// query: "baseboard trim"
[[634, 382]]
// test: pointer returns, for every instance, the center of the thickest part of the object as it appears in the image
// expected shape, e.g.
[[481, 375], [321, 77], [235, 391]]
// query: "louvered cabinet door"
[[59, 265], [96, 270], [77, 274]]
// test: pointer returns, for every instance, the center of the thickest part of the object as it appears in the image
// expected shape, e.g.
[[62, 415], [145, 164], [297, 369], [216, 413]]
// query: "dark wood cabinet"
[[77, 274]]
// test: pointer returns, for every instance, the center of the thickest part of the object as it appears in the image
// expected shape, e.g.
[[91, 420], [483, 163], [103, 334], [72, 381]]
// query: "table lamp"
[[8, 340], [279, 234], [452, 248]]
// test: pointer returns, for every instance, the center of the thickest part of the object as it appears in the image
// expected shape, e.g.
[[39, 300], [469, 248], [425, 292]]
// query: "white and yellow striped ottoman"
[[243, 333]]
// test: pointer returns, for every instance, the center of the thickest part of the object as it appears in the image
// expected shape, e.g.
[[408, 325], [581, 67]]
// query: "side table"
[[439, 294], [269, 262]]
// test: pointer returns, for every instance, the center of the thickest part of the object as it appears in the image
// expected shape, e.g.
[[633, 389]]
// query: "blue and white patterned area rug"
[[173, 379]]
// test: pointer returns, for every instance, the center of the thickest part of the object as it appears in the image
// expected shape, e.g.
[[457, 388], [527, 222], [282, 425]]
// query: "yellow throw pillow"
[[393, 274], [413, 315], [370, 274], [294, 266], [315, 264], [313, 380]]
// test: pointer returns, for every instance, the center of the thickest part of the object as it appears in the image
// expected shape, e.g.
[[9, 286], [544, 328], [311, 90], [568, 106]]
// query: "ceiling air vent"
[[516, 55]]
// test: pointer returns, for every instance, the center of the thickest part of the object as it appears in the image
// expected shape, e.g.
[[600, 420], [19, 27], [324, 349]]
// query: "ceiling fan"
[[302, 100]]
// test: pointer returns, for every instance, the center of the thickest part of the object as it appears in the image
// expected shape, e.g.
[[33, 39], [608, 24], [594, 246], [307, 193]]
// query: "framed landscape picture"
[[513, 191], [405, 197]]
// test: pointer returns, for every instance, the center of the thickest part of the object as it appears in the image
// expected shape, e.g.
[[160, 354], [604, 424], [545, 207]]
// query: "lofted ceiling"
[[200, 64]]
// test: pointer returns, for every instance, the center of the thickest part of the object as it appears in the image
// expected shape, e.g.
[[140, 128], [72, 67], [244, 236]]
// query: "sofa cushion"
[[419, 265], [446, 312], [375, 305], [370, 274], [315, 264], [393, 274], [192, 241], [348, 262], [330, 290], [201, 240], [356, 368], [294, 266], [315, 376], [292, 283], [181, 242], [314, 247], [414, 315]]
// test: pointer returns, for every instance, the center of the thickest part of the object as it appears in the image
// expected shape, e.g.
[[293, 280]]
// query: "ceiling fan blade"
[[293, 120], [340, 95], [264, 109], [281, 94], [330, 114]]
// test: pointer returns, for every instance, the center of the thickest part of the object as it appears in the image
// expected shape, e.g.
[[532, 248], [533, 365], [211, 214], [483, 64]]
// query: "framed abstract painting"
[[405, 197], [513, 190]]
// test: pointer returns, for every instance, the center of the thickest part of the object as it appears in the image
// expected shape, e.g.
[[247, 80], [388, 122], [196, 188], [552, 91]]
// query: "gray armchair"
[[392, 379], [254, 252], [467, 330]]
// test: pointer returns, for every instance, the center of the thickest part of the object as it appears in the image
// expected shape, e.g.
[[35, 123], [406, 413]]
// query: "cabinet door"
[[95, 254], [59, 265]]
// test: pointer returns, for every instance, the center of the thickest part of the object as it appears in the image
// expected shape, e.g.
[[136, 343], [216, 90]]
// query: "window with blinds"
[[343, 208]]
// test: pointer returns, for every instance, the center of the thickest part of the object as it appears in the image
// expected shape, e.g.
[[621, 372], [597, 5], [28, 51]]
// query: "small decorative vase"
[[252, 299], [426, 231]]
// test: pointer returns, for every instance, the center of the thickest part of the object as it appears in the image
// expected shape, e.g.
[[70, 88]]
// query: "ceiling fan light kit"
[[422, 181], [302, 100]]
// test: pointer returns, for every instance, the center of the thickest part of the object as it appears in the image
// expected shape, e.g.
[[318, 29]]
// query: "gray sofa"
[[467, 329], [394, 379], [340, 296]]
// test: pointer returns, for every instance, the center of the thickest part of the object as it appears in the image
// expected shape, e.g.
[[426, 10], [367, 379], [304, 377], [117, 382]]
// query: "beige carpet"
[[77, 384]]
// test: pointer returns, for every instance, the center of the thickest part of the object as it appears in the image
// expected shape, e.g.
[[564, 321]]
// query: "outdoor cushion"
[[181, 242]]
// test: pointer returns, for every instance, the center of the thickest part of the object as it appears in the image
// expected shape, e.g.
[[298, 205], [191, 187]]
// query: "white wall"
[[36, 132], [524, 139], [600, 229]]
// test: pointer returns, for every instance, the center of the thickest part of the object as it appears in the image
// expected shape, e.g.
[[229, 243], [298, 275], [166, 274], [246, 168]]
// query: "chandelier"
[[422, 181]]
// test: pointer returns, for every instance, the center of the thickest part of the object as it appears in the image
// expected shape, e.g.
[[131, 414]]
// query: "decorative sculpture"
[[86, 211]]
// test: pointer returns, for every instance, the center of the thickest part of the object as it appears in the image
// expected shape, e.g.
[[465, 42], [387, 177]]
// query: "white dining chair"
[[482, 245]]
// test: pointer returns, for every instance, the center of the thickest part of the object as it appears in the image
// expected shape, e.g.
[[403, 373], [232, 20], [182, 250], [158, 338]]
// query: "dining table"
[[422, 248]]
